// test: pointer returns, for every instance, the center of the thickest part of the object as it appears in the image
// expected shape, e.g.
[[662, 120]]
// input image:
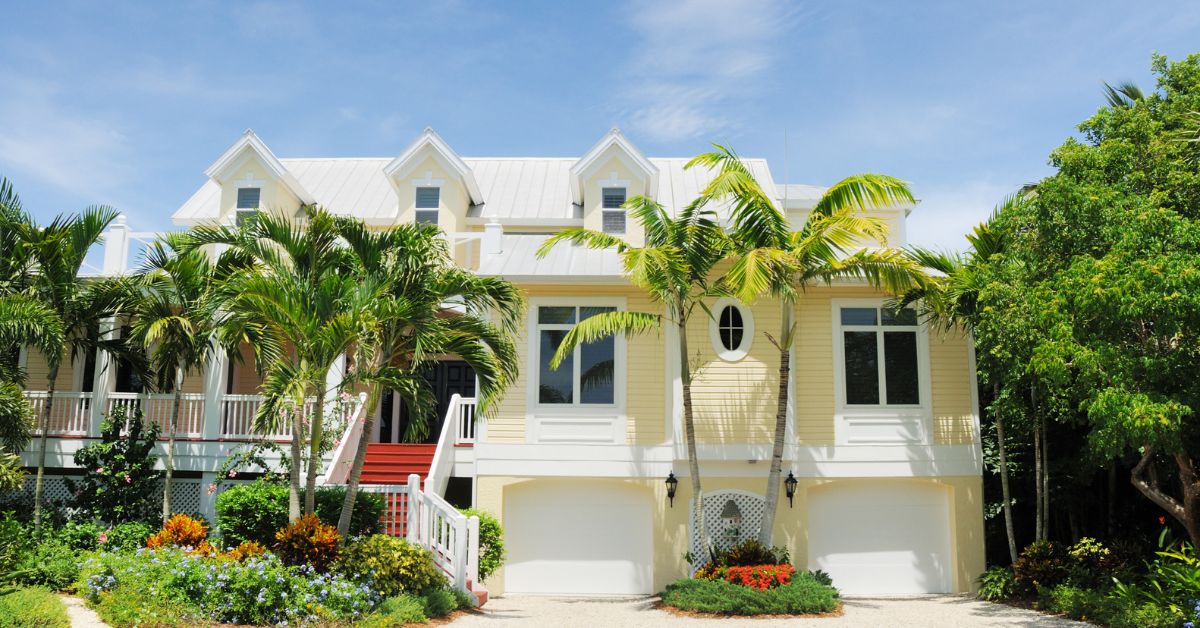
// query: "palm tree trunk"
[[39, 482], [1005, 491], [360, 459], [170, 465], [297, 461], [689, 430], [785, 374], [316, 433]]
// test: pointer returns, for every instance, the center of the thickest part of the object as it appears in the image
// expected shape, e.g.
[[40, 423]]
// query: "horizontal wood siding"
[[36, 372], [953, 410]]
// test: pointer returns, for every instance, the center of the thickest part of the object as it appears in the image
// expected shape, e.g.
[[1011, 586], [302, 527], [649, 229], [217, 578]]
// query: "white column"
[[215, 376], [335, 376], [105, 379], [116, 247]]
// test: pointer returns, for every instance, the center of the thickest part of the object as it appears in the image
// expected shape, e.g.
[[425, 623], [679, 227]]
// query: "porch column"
[[104, 380], [216, 373]]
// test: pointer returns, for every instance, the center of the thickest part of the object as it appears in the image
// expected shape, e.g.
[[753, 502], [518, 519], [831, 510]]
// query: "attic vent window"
[[247, 204], [731, 329], [612, 212], [428, 200]]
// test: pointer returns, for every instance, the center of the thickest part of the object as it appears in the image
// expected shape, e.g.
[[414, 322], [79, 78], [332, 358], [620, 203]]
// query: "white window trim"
[[879, 423], [714, 330], [614, 182], [553, 423]]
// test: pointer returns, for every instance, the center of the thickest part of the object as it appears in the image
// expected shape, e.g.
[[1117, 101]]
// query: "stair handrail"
[[443, 457], [338, 469]]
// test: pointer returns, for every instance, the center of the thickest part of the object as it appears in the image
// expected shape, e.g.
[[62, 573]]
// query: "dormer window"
[[247, 204], [427, 203], [612, 213]]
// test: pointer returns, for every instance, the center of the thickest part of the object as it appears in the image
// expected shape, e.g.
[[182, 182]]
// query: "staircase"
[[391, 463]]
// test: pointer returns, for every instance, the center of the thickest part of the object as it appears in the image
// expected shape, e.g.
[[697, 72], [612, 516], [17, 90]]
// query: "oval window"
[[731, 329]]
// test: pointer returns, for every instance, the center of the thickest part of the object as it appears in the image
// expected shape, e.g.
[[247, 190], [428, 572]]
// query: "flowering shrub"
[[307, 541], [119, 481], [181, 531], [244, 550], [259, 590], [803, 594], [392, 565], [761, 577], [255, 511]]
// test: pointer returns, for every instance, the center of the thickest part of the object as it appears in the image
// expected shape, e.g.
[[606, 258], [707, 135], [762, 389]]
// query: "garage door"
[[578, 537], [881, 537]]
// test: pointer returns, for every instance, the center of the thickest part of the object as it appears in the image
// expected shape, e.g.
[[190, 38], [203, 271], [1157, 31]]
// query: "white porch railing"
[[157, 408], [237, 418], [464, 420], [69, 415], [338, 470], [456, 428]]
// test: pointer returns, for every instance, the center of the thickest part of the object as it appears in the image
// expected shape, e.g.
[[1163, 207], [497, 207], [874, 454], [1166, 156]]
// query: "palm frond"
[[604, 325]]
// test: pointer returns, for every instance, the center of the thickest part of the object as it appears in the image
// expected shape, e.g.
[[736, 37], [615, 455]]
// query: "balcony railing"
[[69, 415], [157, 409]]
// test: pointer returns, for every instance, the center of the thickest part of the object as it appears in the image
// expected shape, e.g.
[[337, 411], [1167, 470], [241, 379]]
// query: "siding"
[[734, 402], [953, 410], [36, 372], [645, 400]]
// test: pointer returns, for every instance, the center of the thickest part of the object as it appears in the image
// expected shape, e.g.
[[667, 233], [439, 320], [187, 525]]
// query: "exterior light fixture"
[[789, 486], [672, 483]]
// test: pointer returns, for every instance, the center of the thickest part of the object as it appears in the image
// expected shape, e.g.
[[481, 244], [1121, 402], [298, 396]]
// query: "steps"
[[391, 463]]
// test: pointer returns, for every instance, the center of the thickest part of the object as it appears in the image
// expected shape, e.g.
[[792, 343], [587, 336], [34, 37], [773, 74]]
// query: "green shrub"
[[822, 577], [440, 602], [307, 541], [750, 552], [1129, 612], [51, 563], [804, 595], [120, 482], [15, 541], [996, 584], [126, 536], [134, 606], [1042, 564], [32, 608], [82, 536], [491, 542], [392, 565], [1076, 602], [257, 510], [397, 611], [464, 599]]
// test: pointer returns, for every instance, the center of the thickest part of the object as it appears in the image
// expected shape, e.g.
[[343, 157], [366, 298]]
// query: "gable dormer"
[[613, 171], [433, 184], [251, 178]]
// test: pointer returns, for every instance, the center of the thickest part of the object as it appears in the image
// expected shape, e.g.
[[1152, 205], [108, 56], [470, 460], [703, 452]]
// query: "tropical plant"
[[254, 511], [769, 258], [179, 531], [307, 541], [675, 268], [291, 295], [406, 327], [491, 542], [173, 320], [393, 566], [119, 481]]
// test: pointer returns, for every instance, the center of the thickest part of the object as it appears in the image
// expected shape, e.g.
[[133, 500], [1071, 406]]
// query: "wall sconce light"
[[789, 486], [672, 483]]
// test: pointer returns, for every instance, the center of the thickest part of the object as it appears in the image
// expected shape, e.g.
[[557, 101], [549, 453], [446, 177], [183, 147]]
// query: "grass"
[[803, 596], [32, 607]]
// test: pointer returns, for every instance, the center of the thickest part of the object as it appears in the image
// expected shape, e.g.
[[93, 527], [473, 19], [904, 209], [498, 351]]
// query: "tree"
[[16, 414], [770, 258], [676, 269], [173, 320], [54, 309], [407, 327], [292, 295]]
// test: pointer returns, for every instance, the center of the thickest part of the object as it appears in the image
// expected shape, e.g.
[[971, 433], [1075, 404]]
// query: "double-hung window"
[[880, 356], [247, 204], [586, 376], [427, 203], [612, 212]]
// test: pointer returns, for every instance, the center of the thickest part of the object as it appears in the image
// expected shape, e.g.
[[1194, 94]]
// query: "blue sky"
[[127, 103]]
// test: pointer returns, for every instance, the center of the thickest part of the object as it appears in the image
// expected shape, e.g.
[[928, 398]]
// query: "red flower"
[[1162, 521]]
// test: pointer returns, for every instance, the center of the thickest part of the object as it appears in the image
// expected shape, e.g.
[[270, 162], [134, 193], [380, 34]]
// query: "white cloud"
[[694, 57], [947, 213]]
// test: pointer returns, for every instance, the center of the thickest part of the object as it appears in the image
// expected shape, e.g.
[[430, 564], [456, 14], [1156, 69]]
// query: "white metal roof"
[[518, 260]]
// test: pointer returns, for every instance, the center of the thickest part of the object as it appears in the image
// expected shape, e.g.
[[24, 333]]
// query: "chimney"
[[493, 236], [116, 247]]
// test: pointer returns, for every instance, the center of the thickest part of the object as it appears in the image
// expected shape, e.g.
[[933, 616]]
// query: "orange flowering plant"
[[307, 541], [180, 531], [761, 577]]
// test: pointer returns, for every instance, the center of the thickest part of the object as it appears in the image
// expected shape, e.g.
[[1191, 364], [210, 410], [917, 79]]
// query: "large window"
[[612, 212], [427, 202], [586, 377], [879, 351]]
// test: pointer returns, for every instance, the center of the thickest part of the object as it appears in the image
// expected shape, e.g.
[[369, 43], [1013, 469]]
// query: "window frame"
[[533, 345], [714, 330], [418, 211], [619, 209]]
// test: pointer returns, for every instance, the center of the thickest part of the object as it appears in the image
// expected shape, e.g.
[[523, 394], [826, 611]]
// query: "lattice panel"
[[54, 488], [185, 493], [185, 496], [750, 509]]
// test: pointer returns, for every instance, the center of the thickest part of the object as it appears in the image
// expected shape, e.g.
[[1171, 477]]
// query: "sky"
[[126, 103]]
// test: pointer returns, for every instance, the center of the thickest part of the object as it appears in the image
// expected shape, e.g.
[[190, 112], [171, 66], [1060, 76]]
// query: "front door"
[[446, 379]]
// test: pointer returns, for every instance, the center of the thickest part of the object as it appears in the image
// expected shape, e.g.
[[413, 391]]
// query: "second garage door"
[[578, 537], [881, 537]]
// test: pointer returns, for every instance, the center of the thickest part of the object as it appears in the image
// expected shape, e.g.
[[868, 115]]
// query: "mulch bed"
[[679, 612]]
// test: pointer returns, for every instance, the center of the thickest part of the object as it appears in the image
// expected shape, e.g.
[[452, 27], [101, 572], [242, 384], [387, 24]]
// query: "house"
[[883, 428]]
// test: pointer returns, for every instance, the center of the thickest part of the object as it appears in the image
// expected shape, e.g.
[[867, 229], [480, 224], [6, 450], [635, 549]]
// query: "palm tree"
[[408, 327], [771, 259], [675, 267], [952, 301], [292, 295], [173, 321], [54, 309]]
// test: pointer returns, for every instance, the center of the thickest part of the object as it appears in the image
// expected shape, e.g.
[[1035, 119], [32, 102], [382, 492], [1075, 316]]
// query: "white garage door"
[[881, 537], [575, 537]]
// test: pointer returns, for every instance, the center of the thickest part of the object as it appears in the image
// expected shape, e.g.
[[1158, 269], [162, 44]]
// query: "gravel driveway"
[[948, 611]]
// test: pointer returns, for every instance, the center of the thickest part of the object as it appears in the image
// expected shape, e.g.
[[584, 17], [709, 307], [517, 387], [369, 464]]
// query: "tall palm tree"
[[952, 301], [408, 326], [56, 310], [292, 295], [675, 268], [173, 322], [772, 259]]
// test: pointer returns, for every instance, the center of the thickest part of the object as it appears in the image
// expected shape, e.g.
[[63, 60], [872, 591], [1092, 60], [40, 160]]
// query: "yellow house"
[[882, 430]]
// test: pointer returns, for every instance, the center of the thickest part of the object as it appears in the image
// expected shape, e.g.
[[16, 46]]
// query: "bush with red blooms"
[[761, 577], [307, 541]]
